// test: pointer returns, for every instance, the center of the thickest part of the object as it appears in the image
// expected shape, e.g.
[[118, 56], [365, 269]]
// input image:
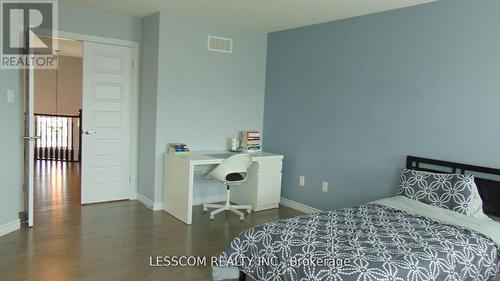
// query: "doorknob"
[[87, 132], [32, 138]]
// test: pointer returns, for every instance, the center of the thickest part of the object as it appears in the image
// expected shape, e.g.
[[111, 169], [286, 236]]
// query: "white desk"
[[262, 189]]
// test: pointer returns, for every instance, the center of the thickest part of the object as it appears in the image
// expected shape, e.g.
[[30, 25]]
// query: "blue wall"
[[204, 97], [347, 100], [10, 147], [195, 96], [148, 104], [81, 20]]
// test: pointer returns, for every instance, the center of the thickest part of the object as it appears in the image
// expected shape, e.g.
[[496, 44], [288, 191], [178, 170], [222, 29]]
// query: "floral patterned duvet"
[[369, 242]]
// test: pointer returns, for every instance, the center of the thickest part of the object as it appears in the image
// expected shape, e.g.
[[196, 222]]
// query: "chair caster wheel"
[[212, 218], [205, 210], [249, 211], [242, 218]]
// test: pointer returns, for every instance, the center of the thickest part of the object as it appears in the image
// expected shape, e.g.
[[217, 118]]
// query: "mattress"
[[390, 239]]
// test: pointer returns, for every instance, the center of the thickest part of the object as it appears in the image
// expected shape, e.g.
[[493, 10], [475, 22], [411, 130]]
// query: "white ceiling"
[[262, 15]]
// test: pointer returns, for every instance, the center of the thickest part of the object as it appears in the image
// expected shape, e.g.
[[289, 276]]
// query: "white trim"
[[298, 206], [145, 201], [96, 39], [155, 206], [134, 98], [158, 206], [266, 207], [133, 196], [7, 228], [134, 123], [209, 199]]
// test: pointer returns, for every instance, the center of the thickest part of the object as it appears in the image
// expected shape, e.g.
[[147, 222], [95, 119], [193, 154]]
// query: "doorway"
[[57, 125], [90, 157]]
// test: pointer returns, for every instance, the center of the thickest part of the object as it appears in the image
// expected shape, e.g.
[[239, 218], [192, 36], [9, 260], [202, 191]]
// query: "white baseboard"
[[158, 206], [209, 199], [145, 201], [155, 206], [266, 207], [133, 196], [9, 227], [298, 206]]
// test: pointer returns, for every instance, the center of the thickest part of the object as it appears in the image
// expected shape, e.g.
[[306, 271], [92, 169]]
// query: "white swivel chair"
[[232, 171]]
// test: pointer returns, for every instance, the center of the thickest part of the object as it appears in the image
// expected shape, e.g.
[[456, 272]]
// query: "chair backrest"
[[238, 163]]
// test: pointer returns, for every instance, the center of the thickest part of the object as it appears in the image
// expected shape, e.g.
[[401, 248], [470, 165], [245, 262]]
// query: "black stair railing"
[[59, 137]]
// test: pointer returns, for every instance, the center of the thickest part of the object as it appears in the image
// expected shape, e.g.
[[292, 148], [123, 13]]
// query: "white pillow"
[[476, 205]]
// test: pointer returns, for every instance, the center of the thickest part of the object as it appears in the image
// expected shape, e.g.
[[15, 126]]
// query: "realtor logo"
[[28, 34]]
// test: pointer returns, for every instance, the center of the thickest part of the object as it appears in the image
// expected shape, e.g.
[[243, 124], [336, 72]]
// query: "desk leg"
[[178, 189], [189, 200]]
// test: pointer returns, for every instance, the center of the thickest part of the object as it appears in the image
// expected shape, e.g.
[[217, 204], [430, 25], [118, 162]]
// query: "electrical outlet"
[[325, 186], [302, 181]]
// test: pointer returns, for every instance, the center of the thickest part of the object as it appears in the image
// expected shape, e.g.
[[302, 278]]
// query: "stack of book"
[[178, 148], [250, 141]]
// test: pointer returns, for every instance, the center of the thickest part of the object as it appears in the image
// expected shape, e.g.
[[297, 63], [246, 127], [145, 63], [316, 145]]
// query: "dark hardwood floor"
[[110, 241]]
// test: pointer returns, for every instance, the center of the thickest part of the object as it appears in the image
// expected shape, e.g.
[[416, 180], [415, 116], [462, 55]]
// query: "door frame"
[[134, 98], [28, 143]]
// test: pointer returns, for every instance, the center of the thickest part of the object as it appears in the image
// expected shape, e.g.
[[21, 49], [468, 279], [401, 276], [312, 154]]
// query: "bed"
[[396, 238]]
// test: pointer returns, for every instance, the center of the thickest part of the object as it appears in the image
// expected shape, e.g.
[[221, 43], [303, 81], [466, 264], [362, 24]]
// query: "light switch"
[[325, 186], [302, 180], [11, 96]]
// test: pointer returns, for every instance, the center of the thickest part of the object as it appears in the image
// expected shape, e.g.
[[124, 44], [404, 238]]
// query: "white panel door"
[[106, 122]]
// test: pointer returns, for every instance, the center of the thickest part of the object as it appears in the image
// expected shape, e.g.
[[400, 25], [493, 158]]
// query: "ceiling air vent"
[[220, 44]]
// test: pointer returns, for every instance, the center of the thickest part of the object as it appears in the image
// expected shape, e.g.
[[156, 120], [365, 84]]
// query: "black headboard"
[[489, 189]]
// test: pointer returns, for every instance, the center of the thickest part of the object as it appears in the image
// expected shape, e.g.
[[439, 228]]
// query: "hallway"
[[57, 190]]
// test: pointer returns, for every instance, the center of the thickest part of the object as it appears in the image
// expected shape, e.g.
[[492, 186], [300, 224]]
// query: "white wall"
[[69, 85], [59, 91]]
